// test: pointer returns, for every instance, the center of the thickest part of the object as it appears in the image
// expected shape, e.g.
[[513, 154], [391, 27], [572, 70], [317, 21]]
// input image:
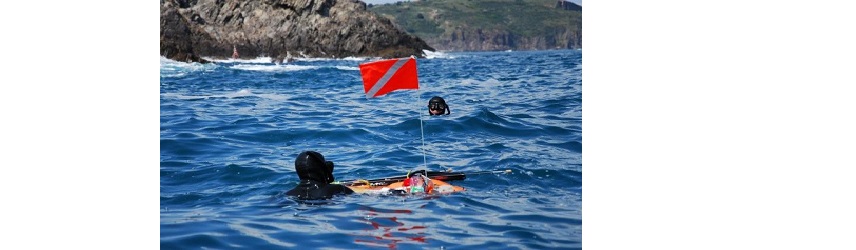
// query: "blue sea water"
[[230, 131]]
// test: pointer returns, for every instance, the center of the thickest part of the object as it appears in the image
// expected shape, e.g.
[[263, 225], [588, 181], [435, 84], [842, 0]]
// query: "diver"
[[418, 183], [316, 176], [437, 106]]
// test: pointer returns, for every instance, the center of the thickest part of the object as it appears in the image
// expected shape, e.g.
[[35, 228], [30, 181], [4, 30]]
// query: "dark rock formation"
[[191, 29], [176, 37]]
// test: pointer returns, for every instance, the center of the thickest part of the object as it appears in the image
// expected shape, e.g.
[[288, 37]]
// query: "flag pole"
[[376, 77], [421, 127]]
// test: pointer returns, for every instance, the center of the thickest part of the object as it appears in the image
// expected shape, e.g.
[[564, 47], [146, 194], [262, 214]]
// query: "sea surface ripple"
[[230, 131]]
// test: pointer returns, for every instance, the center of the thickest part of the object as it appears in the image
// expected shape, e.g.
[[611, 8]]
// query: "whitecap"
[[432, 55]]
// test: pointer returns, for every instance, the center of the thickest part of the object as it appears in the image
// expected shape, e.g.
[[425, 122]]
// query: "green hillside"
[[438, 18]]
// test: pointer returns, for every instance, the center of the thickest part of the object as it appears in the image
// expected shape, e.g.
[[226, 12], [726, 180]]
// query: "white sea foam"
[[263, 59], [350, 58], [236, 94], [347, 68], [273, 67], [172, 64], [172, 68], [247, 92], [433, 55], [269, 60], [287, 67]]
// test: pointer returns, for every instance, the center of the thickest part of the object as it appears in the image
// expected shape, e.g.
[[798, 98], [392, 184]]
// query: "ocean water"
[[230, 131]]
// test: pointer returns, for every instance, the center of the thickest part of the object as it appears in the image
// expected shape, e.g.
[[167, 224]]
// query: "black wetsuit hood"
[[315, 175], [311, 165], [438, 103]]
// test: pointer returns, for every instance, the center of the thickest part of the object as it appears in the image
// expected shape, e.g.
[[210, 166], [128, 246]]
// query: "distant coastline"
[[497, 25]]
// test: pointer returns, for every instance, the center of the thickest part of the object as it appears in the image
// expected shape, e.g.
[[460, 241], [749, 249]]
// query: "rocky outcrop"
[[191, 29], [176, 37]]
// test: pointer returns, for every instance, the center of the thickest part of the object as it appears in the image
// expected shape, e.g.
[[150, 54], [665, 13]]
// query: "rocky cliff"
[[463, 38], [488, 25], [191, 29]]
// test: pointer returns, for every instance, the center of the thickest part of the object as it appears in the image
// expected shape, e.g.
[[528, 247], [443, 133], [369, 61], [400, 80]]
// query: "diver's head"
[[310, 165], [418, 184], [437, 106]]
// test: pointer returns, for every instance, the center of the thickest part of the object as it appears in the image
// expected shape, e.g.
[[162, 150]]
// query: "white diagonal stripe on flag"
[[383, 80]]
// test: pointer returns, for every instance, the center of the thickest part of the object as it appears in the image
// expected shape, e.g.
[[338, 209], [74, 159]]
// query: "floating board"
[[440, 187]]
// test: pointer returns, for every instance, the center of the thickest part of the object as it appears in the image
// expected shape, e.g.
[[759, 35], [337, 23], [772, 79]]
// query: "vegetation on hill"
[[524, 21]]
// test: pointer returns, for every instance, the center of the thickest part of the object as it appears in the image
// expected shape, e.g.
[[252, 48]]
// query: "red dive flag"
[[381, 77]]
